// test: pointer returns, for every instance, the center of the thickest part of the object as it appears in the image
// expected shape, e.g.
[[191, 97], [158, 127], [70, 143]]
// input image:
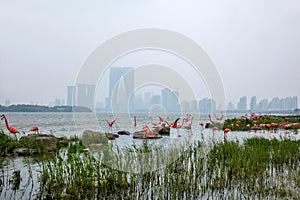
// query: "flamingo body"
[[34, 128], [110, 124]]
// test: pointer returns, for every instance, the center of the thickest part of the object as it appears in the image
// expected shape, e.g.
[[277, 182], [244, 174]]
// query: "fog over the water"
[[255, 45]]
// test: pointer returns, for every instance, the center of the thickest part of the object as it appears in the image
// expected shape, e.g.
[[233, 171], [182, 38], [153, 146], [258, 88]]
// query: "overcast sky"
[[254, 44]]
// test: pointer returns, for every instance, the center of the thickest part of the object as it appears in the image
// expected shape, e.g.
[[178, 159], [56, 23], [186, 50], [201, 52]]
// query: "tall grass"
[[257, 168]]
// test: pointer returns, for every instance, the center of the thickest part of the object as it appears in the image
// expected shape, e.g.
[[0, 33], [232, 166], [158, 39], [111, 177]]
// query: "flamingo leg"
[[178, 132]]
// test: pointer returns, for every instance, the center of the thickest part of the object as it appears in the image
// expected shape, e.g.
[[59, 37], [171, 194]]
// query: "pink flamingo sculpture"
[[11, 129], [35, 128], [110, 124]]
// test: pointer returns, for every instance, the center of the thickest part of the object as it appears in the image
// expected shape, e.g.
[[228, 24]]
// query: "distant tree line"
[[38, 108]]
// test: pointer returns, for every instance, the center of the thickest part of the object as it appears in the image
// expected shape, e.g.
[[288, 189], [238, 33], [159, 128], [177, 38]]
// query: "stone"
[[111, 136], [143, 135], [162, 130], [24, 151], [47, 143], [42, 141], [124, 132]]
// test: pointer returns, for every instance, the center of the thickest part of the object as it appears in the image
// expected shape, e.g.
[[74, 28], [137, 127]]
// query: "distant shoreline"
[[38, 108]]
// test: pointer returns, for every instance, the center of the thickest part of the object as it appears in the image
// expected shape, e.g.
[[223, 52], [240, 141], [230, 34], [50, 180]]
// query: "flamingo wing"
[[113, 121], [108, 123], [13, 129]]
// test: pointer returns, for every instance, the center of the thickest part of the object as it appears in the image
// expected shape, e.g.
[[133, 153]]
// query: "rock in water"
[[143, 135], [39, 141], [123, 132], [162, 130], [111, 136], [47, 143]]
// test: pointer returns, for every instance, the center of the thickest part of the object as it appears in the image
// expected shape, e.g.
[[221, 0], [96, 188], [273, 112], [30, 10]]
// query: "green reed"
[[256, 168]]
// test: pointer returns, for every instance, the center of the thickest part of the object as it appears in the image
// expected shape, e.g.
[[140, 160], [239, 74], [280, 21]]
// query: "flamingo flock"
[[13, 130], [253, 123]]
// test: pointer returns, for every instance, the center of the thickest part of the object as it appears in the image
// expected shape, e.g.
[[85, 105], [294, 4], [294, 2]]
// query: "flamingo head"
[[2, 117]]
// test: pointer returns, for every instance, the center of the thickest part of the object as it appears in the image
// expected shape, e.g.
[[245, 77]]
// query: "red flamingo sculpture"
[[134, 121], [226, 130], [180, 125], [35, 128], [189, 125], [153, 123], [209, 117], [11, 129], [213, 130], [175, 125], [163, 120], [147, 132], [201, 125], [110, 124], [219, 118]]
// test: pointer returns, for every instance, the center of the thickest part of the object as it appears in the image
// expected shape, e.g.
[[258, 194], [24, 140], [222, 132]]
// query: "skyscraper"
[[263, 105], [121, 96], [242, 104], [207, 105], [194, 106], [253, 103], [170, 100], [85, 95], [70, 95]]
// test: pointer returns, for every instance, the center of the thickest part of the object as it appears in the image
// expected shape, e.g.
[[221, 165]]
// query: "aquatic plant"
[[256, 168], [16, 179]]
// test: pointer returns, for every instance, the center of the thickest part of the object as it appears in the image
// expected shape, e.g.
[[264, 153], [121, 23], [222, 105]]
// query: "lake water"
[[73, 124]]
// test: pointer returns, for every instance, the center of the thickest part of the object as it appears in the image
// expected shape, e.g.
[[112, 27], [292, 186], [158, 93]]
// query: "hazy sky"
[[255, 44]]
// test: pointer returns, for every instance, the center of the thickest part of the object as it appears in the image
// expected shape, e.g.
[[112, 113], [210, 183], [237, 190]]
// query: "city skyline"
[[84, 96]]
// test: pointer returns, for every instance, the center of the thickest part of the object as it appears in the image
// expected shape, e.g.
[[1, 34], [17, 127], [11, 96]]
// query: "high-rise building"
[[185, 106], [194, 106], [242, 104], [230, 106], [57, 102], [170, 100], [70, 95], [121, 86], [138, 103], [155, 99], [7, 102], [290, 103], [207, 105], [85, 95], [253, 103], [147, 99], [263, 105], [275, 104]]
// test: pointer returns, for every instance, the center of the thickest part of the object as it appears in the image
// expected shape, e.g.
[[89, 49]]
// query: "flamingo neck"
[[6, 123]]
